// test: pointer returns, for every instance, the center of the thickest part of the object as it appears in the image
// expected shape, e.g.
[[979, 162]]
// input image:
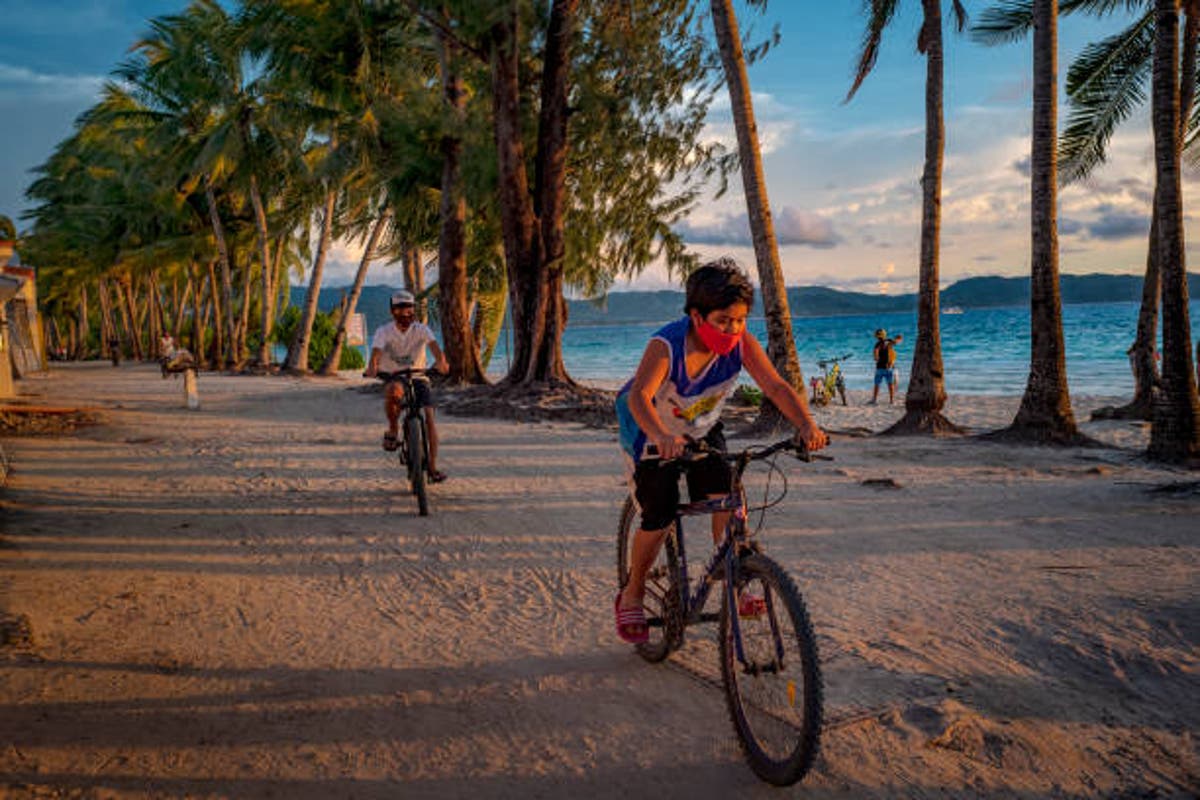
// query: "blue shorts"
[[885, 375]]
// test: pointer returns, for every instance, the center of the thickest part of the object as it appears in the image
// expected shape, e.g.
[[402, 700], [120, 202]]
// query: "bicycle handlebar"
[[407, 372], [802, 453]]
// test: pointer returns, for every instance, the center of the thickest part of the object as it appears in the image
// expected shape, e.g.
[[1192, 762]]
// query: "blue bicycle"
[[769, 664]]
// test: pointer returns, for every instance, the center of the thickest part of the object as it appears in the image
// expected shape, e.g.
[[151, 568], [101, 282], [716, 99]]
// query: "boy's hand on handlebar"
[[810, 437], [442, 366], [669, 446], [370, 372]]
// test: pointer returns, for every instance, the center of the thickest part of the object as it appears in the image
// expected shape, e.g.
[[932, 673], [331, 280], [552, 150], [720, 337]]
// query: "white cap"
[[402, 297]]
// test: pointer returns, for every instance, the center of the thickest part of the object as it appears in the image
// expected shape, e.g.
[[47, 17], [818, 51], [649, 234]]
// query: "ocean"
[[984, 351]]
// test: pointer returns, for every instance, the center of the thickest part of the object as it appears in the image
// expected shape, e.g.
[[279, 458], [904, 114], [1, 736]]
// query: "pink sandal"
[[631, 623], [751, 605]]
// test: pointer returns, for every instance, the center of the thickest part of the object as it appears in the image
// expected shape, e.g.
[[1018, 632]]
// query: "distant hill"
[[805, 301]]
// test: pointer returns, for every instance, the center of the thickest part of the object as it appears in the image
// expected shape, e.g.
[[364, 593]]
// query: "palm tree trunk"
[[297, 357], [1045, 414], [414, 278], [241, 353], [1175, 431], [522, 239], [128, 309], [214, 216], [268, 285], [550, 200], [83, 325], [457, 340], [217, 353], [360, 277], [781, 343], [926, 394]]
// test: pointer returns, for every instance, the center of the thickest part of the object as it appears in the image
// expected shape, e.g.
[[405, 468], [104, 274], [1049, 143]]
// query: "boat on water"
[[952, 310]]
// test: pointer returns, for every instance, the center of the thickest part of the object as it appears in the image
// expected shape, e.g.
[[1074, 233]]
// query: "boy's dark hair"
[[718, 284]]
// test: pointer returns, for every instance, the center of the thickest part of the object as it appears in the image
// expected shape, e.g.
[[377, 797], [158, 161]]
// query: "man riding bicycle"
[[397, 345]]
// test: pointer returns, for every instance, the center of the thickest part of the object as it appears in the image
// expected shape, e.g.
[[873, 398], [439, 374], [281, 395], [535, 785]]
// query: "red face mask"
[[714, 338]]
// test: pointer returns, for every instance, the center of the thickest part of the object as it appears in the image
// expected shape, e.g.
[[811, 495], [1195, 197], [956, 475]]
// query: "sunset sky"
[[843, 177]]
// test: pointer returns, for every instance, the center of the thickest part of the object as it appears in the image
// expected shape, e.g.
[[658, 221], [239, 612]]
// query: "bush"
[[748, 395], [321, 341]]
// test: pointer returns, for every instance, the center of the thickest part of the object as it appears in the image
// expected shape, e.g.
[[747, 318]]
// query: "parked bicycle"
[[830, 381], [414, 440], [768, 652]]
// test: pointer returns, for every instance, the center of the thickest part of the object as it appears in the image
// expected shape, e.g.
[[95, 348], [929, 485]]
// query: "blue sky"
[[842, 177]]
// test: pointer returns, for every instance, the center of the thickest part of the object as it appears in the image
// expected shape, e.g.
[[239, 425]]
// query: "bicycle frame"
[[722, 558]]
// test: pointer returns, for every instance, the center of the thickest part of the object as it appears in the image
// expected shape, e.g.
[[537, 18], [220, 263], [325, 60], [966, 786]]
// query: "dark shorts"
[[423, 391], [657, 484]]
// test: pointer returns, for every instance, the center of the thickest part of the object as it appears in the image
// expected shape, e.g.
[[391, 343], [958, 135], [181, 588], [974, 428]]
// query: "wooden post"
[[190, 389]]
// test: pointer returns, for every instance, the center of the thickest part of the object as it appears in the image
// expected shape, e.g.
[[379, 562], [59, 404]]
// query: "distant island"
[[621, 308]]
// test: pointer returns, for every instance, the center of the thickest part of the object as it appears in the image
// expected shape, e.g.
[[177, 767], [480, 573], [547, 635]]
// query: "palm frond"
[[879, 16], [1104, 85], [1010, 21]]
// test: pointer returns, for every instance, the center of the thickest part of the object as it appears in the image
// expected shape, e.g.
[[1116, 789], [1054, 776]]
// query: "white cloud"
[[22, 81]]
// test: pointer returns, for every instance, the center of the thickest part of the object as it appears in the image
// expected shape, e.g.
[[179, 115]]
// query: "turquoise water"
[[984, 351]]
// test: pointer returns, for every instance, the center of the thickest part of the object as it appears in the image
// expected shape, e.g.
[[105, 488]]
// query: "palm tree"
[[1045, 413], [1175, 431], [926, 394], [1104, 85], [457, 339], [781, 344]]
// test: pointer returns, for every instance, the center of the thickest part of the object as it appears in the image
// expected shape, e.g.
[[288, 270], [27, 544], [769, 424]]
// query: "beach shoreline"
[[240, 601]]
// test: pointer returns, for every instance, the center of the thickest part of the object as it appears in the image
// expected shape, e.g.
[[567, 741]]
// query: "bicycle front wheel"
[[662, 603], [414, 438], [771, 673]]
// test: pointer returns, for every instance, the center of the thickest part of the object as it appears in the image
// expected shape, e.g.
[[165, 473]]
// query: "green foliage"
[[748, 395], [323, 331]]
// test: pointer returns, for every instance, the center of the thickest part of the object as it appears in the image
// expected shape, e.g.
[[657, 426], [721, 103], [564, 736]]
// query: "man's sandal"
[[631, 623], [390, 442]]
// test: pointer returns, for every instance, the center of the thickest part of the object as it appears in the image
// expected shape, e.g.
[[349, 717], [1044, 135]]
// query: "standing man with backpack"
[[885, 363]]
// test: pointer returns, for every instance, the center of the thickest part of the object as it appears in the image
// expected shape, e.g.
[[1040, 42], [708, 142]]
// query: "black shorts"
[[657, 484], [422, 390]]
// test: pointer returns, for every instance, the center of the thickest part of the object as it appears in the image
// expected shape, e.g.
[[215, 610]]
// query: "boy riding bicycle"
[[400, 344], [688, 368]]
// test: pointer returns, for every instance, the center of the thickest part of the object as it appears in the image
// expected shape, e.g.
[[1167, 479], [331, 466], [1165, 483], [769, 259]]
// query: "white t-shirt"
[[401, 349]]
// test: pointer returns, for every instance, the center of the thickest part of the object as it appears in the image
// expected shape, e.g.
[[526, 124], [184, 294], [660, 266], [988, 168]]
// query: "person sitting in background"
[[885, 364]]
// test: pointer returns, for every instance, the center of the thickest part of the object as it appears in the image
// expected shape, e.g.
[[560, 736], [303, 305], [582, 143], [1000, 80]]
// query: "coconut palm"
[[781, 344], [1104, 85], [926, 394], [1045, 413], [1175, 432]]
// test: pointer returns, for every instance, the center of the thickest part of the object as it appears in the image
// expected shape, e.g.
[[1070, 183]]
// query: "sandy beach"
[[241, 602]]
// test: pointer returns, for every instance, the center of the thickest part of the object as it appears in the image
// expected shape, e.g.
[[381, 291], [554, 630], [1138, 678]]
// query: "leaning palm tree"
[[1045, 414], [926, 394], [781, 344], [1175, 432]]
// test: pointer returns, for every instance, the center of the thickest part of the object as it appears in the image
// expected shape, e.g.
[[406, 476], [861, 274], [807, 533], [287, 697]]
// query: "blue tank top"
[[686, 406]]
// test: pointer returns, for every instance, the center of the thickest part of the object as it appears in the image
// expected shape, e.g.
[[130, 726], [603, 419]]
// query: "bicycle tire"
[[774, 703], [414, 437], [662, 603]]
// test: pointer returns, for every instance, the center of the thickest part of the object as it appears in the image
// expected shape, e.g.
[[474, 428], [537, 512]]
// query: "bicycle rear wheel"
[[662, 603], [774, 691], [414, 438]]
